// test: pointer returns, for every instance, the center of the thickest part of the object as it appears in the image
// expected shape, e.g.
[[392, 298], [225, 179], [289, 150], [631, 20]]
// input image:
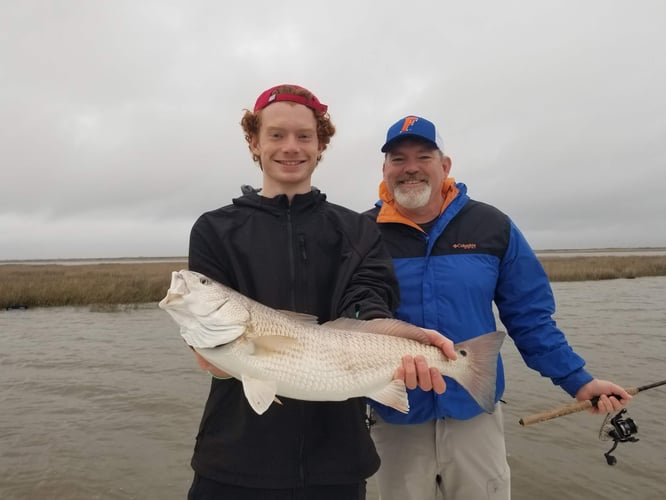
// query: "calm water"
[[97, 405]]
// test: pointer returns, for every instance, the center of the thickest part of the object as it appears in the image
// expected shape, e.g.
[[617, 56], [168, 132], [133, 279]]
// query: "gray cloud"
[[119, 120]]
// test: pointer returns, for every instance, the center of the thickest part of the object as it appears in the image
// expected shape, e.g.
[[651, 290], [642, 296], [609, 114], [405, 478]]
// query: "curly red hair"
[[251, 122]]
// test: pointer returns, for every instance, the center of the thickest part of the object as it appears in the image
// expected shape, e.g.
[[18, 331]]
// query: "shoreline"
[[113, 284], [593, 251]]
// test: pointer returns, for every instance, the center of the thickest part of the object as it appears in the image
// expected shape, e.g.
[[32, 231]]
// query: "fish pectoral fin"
[[393, 395], [259, 393], [271, 343]]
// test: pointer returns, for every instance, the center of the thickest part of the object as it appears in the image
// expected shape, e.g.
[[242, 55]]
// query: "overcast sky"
[[119, 119]]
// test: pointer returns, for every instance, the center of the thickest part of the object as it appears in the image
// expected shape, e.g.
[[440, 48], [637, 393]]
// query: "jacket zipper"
[[301, 446], [301, 246], [292, 265], [292, 293]]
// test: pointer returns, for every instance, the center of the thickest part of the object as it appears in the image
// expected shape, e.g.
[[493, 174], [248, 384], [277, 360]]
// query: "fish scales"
[[278, 353]]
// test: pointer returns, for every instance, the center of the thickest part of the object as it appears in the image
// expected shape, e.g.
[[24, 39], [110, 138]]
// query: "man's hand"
[[606, 392], [444, 343], [416, 372]]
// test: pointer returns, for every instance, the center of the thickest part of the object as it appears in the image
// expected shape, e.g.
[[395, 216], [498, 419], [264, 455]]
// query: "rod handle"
[[566, 410]]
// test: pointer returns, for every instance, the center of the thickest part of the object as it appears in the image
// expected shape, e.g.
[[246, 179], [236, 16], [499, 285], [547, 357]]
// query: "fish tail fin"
[[480, 380]]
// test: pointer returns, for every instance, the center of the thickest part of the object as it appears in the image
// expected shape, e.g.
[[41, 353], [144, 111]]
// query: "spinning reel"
[[620, 429]]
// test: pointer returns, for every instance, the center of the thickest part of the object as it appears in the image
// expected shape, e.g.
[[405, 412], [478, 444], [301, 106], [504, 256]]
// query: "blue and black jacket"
[[472, 256]]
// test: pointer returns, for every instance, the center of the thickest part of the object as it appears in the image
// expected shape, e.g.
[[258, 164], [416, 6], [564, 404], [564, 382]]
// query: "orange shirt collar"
[[388, 212]]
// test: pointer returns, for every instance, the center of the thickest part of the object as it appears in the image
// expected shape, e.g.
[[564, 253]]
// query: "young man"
[[454, 257], [289, 248]]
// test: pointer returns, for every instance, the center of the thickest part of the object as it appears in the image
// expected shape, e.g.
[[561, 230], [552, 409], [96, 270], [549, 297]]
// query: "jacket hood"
[[280, 203]]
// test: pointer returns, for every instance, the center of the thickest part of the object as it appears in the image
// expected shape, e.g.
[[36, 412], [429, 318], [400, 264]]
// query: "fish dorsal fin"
[[271, 343], [383, 326], [305, 318], [393, 395], [259, 393]]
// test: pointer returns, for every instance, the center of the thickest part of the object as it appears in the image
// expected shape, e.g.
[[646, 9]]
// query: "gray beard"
[[412, 198]]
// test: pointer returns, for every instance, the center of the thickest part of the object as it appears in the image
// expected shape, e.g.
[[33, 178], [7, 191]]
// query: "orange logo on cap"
[[409, 121]]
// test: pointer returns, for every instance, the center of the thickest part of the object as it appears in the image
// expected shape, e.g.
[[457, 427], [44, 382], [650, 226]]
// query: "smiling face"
[[287, 147], [414, 171]]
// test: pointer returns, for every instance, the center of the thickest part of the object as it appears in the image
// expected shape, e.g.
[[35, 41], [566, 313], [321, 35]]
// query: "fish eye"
[[463, 352], [204, 281]]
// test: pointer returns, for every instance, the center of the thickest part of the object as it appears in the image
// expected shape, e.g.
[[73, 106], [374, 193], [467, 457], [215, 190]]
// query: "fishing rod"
[[617, 428], [578, 406]]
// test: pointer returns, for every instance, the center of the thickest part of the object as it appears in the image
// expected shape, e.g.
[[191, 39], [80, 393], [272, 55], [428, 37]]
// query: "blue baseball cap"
[[413, 126]]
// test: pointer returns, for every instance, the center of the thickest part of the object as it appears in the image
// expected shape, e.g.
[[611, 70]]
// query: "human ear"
[[254, 145], [446, 164]]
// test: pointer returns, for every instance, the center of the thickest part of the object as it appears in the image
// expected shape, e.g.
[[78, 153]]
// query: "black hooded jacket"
[[309, 256]]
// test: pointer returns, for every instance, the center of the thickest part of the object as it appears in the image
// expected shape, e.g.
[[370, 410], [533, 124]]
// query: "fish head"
[[209, 314]]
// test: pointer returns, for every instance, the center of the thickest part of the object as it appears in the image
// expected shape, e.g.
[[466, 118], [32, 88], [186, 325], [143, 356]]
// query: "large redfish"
[[280, 353]]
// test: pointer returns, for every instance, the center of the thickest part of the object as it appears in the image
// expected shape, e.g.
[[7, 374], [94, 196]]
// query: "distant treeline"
[[105, 286]]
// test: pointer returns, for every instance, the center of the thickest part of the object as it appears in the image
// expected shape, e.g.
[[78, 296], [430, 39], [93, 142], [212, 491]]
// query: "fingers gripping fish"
[[279, 353]]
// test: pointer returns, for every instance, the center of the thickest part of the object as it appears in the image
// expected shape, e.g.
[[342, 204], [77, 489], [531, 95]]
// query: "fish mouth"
[[177, 289]]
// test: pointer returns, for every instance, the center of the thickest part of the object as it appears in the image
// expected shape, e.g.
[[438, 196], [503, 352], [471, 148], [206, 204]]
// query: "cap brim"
[[404, 135]]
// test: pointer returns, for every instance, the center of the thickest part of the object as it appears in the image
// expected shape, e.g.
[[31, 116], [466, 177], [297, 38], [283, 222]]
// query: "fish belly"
[[327, 366]]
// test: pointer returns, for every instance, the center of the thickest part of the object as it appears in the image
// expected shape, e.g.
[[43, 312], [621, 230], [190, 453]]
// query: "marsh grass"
[[603, 267], [119, 286], [101, 286]]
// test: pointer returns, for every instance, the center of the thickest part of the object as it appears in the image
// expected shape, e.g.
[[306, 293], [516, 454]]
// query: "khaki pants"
[[468, 455]]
